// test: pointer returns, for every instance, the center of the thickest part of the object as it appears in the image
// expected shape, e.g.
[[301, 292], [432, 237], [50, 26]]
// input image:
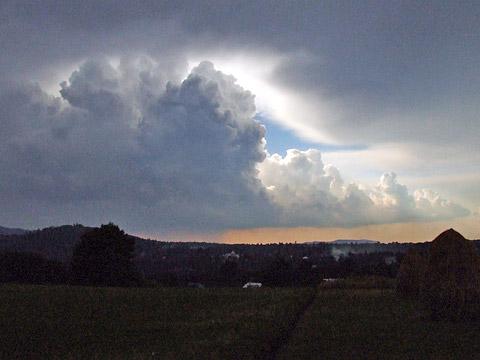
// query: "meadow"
[[64, 322], [376, 324]]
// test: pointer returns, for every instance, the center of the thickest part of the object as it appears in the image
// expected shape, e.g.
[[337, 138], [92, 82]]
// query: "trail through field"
[[72, 322], [283, 340], [376, 325]]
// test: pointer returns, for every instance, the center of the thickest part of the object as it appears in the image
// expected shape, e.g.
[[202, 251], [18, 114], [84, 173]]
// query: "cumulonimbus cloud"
[[114, 146], [123, 144]]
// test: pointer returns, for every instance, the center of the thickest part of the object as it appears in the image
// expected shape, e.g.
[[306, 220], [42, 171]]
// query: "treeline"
[[35, 269], [52, 243], [52, 251], [107, 256], [31, 269], [273, 269]]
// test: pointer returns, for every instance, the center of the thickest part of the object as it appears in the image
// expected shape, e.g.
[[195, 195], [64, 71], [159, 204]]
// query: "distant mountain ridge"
[[345, 242], [353, 242], [11, 231]]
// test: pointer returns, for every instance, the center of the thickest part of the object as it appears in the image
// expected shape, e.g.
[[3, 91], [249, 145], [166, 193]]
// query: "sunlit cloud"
[[293, 109]]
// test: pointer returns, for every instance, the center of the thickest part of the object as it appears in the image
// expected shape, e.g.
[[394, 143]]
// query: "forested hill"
[[52, 242], [58, 243], [176, 263], [10, 231]]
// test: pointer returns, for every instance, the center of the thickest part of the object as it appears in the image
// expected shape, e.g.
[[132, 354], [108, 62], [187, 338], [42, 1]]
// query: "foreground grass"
[[375, 324], [47, 322]]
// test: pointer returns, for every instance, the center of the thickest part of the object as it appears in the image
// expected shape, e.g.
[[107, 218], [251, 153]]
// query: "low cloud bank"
[[314, 194]]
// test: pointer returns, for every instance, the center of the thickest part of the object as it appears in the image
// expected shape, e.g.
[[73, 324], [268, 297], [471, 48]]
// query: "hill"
[[10, 231], [353, 242], [344, 242], [58, 242], [53, 243]]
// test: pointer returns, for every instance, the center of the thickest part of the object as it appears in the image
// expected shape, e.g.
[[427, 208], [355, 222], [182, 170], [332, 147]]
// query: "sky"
[[252, 121]]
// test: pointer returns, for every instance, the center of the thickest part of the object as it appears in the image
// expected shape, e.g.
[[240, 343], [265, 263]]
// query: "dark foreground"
[[46, 322], [376, 324]]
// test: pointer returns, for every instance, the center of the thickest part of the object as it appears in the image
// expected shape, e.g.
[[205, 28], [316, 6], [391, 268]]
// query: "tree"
[[229, 273], [278, 273], [104, 258]]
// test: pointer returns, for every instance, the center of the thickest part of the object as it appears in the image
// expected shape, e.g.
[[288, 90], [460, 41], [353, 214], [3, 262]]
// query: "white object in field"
[[252, 285]]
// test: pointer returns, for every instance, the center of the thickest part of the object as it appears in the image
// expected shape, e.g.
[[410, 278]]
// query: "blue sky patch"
[[280, 139]]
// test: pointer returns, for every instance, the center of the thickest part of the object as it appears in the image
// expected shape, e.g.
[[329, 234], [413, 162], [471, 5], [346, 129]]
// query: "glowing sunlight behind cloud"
[[291, 108]]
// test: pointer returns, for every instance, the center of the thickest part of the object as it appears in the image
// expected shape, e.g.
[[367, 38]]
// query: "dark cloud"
[[381, 62], [131, 140], [122, 144], [184, 159]]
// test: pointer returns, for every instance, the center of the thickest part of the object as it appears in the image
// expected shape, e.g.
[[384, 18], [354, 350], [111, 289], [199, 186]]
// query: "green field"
[[375, 324], [61, 322], [42, 322]]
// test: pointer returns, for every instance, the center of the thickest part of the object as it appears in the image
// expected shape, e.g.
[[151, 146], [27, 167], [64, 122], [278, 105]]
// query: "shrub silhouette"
[[447, 281], [104, 257]]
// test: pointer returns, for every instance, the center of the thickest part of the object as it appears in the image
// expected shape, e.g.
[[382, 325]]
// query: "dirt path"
[[277, 346]]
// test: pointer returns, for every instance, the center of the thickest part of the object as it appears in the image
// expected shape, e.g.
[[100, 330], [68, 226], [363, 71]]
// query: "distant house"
[[390, 260], [231, 256], [252, 285]]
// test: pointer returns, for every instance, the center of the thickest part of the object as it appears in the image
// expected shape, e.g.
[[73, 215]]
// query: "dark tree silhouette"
[[229, 273], [278, 273], [104, 257]]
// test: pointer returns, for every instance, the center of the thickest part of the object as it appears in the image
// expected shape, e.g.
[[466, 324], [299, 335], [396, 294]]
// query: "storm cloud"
[[108, 114], [123, 143], [114, 146], [359, 66]]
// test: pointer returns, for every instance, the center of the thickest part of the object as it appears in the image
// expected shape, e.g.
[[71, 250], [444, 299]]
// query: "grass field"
[[59, 322], [375, 324], [55, 322]]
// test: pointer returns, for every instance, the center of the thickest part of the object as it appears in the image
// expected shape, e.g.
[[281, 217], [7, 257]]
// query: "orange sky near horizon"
[[469, 227], [400, 232]]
